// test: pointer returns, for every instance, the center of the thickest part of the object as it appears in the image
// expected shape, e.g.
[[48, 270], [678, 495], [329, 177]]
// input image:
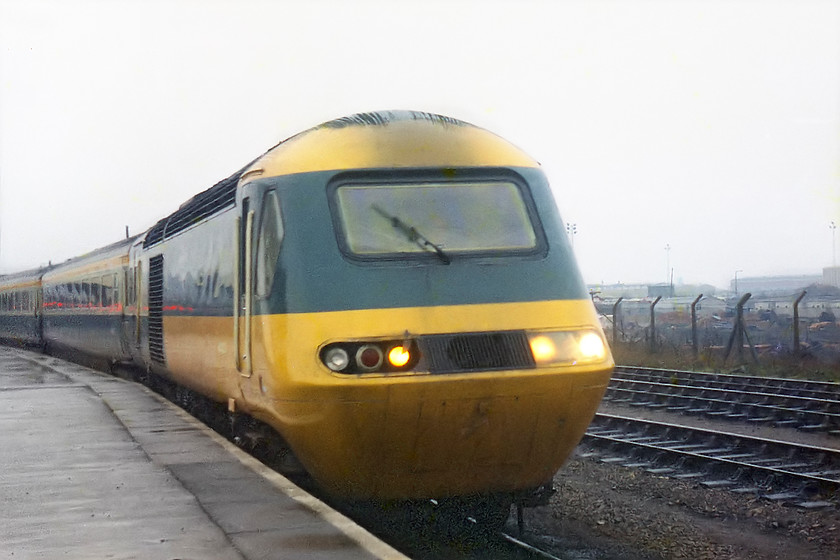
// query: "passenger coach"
[[20, 308], [83, 305]]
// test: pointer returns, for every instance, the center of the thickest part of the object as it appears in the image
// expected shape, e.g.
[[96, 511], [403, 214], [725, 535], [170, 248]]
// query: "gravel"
[[606, 511]]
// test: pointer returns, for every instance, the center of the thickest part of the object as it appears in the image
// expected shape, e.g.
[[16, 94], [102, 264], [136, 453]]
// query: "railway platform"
[[93, 466]]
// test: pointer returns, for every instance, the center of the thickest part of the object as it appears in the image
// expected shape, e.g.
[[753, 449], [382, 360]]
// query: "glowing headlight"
[[543, 348], [567, 347], [398, 356], [591, 346]]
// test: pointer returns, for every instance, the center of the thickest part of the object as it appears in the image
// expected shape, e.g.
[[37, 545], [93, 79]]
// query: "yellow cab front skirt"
[[415, 434]]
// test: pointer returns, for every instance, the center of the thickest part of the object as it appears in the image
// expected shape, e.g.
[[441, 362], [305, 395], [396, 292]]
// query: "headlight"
[[398, 356], [375, 356], [567, 347], [336, 359]]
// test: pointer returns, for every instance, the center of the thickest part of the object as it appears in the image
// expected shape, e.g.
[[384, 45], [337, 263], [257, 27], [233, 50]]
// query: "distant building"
[[613, 291], [769, 285], [640, 291], [661, 290]]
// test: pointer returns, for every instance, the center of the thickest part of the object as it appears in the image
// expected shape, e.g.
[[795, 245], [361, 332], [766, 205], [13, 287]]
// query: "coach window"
[[95, 293], [116, 296], [268, 243], [106, 291], [129, 285]]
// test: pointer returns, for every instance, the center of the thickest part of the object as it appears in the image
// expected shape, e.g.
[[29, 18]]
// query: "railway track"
[[528, 550], [805, 476], [735, 382], [804, 405]]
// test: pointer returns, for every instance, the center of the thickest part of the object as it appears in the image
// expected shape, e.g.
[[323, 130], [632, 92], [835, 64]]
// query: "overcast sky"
[[712, 128]]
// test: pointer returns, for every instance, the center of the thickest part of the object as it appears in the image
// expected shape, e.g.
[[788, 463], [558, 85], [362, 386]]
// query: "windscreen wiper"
[[413, 235]]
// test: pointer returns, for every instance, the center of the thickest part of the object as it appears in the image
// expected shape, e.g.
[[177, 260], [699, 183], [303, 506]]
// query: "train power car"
[[392, 292]]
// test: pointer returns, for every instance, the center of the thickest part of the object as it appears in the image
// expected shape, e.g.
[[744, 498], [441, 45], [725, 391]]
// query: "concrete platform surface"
[[95, 467]]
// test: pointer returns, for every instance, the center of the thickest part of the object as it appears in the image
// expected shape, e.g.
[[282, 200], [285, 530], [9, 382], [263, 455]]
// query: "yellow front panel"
[[402, 435]]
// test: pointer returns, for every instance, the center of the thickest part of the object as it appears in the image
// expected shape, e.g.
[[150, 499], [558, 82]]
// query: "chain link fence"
[[771, 329]]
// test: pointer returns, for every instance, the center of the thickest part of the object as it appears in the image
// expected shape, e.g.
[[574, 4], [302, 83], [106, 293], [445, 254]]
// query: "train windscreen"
[[436, 218]]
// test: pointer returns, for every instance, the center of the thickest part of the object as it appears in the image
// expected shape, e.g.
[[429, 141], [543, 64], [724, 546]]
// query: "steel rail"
[[804, 413], [812, 468], [774, 385], [528, 548]]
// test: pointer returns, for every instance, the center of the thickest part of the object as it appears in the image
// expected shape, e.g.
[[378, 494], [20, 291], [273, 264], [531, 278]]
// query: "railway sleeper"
[[761, 419], [736, 456], [825, 426]]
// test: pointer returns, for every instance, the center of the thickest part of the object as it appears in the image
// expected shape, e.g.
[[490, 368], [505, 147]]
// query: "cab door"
[[260, 235], [243, 288]]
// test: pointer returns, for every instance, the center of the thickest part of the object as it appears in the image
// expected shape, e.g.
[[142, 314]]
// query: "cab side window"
[[268, 244]]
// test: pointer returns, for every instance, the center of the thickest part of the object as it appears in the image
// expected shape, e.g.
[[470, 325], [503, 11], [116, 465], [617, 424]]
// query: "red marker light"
[[369, 357]]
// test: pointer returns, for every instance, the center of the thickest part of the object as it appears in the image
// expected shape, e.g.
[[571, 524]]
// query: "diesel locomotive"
[[393, 293]]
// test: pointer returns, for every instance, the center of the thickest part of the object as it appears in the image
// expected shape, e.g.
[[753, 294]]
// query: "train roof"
[[22, 278], [389, 139], [98, 259]]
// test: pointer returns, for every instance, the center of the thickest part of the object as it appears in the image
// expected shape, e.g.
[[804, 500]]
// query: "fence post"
[[653, 325], [615, 319], [796, 323], [739, 331], [694, 325]]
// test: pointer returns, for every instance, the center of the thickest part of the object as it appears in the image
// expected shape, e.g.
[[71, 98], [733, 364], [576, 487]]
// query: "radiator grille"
[[452, 353], [156, 310]]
